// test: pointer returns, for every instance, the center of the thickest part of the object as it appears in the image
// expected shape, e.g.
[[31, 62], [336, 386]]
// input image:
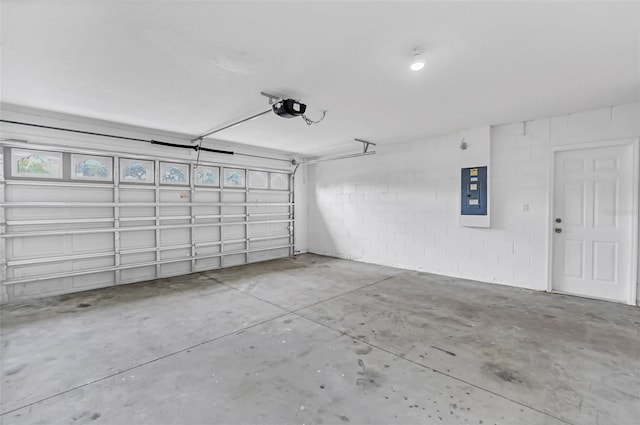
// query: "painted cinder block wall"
[[400, 206]]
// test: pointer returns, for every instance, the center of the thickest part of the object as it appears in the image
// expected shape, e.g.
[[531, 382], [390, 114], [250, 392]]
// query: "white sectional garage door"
[[76, 220]]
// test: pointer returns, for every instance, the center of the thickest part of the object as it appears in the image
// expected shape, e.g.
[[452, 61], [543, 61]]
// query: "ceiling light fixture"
[[418, 60]]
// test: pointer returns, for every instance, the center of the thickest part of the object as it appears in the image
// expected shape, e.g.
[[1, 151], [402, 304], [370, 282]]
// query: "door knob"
[[557, 230], [558, 220]]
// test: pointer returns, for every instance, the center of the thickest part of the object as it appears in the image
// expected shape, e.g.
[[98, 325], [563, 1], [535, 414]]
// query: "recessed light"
[[417, 66]]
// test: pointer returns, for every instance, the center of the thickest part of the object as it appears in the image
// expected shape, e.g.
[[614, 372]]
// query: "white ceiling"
[[189, 66]]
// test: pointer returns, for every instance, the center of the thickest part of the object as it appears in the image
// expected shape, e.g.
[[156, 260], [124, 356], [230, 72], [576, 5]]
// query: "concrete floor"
[[317, 340]]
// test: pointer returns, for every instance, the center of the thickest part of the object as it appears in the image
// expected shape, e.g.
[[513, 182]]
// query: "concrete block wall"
[[400, 206]]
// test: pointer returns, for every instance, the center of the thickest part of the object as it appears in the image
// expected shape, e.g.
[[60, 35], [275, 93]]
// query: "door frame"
[[635, 172]]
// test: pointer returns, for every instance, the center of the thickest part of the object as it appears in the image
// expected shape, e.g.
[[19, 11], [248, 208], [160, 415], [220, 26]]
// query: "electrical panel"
[[473, 200]]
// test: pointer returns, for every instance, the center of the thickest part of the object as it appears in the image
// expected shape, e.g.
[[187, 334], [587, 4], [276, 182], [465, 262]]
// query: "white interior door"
[[593, 222]]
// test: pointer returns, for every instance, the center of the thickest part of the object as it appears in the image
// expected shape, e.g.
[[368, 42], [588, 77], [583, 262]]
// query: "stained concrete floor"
[[318, 340]]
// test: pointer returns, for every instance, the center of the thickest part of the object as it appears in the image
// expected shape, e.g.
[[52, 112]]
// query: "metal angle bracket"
[[365, 145], [273, 98]]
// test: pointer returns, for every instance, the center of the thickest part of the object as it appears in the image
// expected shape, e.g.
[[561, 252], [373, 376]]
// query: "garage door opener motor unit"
[[289, 108]]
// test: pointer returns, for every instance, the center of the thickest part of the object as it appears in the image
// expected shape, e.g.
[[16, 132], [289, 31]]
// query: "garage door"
[[77, 220]]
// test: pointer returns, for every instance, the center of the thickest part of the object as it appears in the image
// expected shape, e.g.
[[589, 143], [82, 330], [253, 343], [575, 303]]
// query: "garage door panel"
[[175, 211], [93, 263], [176, 222], [137, 239], [280, 197], [35, 270], [53, 193], [270, 243], [40, 288], [206, 222], [91, 243], [175, 269], [135, 223], [234, 247], [57, 213], [56, 246], [130, 211], [204, 212], [207, 250], [93, 280], [169, 254], [234, 260], [174, 233], [37, 213], [175, 237], [257, 230], [128, 194], [101, 212], [206, 234], [86, 194], [103, 223], [234, 210], [24, 193], [204, 196], [137, 258], [138, 274], [265, 209], [56, 267], [207, 264], [279, 228], [35, 193], [268, 255], [234, 196], [36, 247], [236, 231], [175, 195]]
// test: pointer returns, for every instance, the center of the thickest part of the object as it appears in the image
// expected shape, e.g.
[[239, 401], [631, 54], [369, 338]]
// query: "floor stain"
[[370, 377], [364, 350], [505, 373], [444, 351], [85, 414], [14, 370], [508, 376]]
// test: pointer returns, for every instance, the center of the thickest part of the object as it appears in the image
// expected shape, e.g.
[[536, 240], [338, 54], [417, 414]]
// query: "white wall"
[[400, 207]]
